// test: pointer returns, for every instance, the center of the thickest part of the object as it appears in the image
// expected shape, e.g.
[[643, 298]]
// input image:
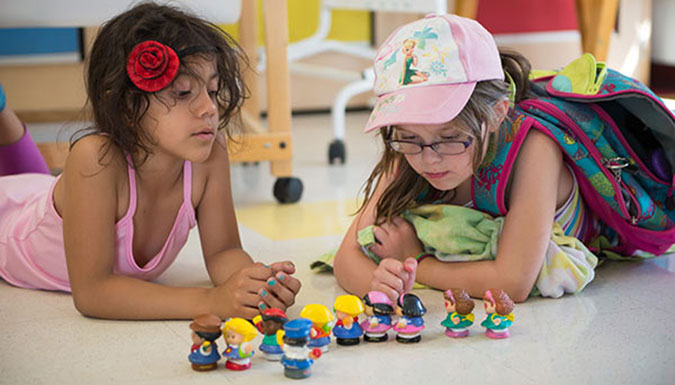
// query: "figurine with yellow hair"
[[347, 330], [238, 334], [322, 324]]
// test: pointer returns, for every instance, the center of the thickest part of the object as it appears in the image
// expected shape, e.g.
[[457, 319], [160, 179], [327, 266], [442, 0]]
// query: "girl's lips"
[[206, 135], [436, 175]]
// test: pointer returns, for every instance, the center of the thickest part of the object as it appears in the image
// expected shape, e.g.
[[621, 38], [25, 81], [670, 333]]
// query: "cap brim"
[[434, 104]]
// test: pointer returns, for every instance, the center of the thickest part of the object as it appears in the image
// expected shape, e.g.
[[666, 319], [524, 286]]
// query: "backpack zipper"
[[620, 188]]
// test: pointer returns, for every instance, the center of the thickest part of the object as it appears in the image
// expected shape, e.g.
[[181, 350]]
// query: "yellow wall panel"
[[303, 20]]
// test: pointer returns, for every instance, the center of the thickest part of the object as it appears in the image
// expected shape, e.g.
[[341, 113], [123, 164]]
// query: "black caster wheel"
[[336, 150], [288, 190]]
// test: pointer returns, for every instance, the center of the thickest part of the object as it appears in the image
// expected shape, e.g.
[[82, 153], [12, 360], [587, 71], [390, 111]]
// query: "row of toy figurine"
[[288, 345], [298, 342]]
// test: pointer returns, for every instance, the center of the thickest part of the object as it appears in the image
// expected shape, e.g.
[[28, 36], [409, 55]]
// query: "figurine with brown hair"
[[498, 307], [459, 306], [204, 354]]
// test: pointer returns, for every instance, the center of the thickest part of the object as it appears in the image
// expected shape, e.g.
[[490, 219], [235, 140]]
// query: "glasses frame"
[[433, 146]]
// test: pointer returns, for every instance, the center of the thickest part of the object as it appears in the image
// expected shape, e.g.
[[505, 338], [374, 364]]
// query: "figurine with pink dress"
[[459, 306], [378, 308], [410, 310], [498, 307]]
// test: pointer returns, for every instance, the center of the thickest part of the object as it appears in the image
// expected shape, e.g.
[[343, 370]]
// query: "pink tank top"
[[32, 253]]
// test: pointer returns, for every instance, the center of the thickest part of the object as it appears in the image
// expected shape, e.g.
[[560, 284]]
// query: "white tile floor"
[[617, 331]]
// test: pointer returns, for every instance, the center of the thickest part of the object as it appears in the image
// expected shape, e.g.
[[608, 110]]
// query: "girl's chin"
[[442, 185]]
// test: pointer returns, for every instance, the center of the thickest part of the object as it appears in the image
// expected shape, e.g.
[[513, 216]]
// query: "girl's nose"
[[430, 156], [205, 104]]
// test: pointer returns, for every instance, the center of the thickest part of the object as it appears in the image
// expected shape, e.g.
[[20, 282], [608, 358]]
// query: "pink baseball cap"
[[427, 70]]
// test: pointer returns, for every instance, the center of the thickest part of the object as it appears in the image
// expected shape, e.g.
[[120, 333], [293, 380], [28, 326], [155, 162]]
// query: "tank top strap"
[[131, 172], [187, 192]]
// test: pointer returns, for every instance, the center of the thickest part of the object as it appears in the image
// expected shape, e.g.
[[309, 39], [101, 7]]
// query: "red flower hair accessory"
[[152, 65]]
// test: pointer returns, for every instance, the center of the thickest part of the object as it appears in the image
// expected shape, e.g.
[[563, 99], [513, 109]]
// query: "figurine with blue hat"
[[298, 358]]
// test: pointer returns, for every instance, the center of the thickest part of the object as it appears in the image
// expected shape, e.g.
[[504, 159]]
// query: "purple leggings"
[[22, 157]]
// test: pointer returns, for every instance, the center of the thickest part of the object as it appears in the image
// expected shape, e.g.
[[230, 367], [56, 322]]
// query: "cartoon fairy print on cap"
[[426, 70]]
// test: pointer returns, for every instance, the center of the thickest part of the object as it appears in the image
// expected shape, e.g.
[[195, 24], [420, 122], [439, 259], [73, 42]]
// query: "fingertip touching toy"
[[270, 323], [204, 352], [347, 330], [410, 310], [378, 308], [459, 306], [238, 334], [498, 307], [322, 325], [298, 358]]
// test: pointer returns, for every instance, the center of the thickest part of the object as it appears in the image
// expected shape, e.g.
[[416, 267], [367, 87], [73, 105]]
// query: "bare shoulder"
[[94, 154], [94, 165]]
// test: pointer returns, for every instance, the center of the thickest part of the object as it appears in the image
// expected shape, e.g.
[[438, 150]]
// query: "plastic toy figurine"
[[459, 306], [410, 310], [204, 352], [238, 334], [323, 322], [271, 323], [298, 358], [379, 309], [498, 307], [347, 331]]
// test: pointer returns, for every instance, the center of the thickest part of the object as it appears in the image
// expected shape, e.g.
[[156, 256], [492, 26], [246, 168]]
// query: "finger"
[[380, 233], [286, 266], [248, 312], [245, 298], [390, 279], [410, 266], [259, 271], [293, 284], [280, 292], [389, 291]]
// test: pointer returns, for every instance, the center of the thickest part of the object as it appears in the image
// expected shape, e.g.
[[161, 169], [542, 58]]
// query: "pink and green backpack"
[[618, 138]]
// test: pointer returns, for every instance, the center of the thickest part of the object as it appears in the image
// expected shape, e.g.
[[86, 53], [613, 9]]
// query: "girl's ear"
[[501, 109]]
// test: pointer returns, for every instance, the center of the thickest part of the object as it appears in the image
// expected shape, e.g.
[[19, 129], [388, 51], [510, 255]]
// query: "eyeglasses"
[[444, 147]]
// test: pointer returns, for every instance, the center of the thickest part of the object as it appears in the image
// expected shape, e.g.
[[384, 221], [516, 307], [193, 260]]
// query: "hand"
[[239, 295], [396, 239], [281, 287], [394, 278]]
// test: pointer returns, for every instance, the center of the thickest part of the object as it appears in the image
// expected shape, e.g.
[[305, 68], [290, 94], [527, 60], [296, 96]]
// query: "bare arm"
[[217, 221], [525, 235], [227, 263]]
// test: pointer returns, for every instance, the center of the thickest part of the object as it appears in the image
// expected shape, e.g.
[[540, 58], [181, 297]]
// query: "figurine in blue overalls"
[[298, 358], [204, 354]]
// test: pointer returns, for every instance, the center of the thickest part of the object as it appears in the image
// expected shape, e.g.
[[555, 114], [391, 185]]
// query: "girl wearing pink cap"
[[441, 134]]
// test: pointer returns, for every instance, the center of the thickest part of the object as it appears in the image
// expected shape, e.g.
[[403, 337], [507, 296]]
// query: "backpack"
[[619, 140]]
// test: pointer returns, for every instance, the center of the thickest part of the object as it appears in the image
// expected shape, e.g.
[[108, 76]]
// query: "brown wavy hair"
[[463, 303], [118, 106], [404, 192], [503, 303]]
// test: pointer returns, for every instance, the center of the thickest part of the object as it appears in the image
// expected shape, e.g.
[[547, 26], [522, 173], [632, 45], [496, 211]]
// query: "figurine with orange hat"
[[322, 324], [498, 307], [347, 330], [271, 323], [238, 334], [204, 352], [379, 309]]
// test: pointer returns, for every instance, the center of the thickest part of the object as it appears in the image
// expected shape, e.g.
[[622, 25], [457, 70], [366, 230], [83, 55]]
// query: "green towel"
[[455, 233]]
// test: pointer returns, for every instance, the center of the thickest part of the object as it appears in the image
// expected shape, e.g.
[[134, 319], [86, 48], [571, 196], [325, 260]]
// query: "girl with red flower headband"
[[163, 85]]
